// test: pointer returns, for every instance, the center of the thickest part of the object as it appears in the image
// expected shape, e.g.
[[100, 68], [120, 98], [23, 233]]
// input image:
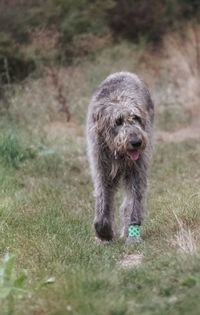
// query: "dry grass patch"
[[184, 239]]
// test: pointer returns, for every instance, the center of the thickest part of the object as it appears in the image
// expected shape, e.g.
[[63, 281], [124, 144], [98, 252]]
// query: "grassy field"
[[50, 261]]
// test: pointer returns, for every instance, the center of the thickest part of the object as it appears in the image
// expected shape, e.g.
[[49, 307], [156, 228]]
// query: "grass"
[[46, 214]]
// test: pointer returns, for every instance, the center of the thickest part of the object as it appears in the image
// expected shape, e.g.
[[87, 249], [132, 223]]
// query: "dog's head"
[[123, 129]]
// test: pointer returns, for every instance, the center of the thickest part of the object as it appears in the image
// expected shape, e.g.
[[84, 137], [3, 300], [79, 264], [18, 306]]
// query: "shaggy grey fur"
[[119, 140]]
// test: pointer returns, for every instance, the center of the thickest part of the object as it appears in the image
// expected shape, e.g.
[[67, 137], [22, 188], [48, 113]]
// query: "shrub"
[[14, 66], [149, 18], [51, 31]]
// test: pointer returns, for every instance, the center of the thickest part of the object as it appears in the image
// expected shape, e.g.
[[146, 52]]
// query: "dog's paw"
[[103, 229]]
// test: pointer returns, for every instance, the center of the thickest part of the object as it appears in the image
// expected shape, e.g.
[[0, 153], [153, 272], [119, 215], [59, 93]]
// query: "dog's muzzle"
[[134, 148]]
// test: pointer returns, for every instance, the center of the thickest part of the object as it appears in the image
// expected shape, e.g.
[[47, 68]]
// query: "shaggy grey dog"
[[119, 139]]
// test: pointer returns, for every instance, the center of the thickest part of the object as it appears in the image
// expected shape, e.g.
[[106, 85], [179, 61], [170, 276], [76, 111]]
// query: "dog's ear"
[[99, 119], [96, 116], [149, 107]]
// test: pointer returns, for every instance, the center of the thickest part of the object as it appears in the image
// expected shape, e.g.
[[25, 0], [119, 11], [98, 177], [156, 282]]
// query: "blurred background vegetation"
[[48, 32], [53, 54]]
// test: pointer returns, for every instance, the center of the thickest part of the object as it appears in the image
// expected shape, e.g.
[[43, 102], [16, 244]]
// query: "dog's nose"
[[136, 143]]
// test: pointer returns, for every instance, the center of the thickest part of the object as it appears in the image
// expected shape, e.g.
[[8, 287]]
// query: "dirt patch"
[[192, 132], [59, 129], [131, 261]]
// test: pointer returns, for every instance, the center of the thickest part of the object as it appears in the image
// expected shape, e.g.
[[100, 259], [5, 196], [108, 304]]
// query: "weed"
[[12, 285], [12, 152]]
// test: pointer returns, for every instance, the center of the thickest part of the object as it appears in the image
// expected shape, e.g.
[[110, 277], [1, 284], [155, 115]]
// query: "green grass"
[[46, 222], [47, 209]]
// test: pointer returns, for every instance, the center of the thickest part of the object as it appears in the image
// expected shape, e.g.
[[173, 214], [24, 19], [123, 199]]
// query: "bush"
[[151, 19], [14, 66], [47, 28], [50, 31]]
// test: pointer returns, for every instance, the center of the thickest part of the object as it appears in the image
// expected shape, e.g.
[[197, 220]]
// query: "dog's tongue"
[[133, 154]]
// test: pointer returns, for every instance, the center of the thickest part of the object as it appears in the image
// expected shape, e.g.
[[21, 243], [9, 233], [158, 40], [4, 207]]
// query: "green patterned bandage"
[[134, 231]]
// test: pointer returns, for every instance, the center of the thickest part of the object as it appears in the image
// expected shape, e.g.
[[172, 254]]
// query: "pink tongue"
[[133, 154]]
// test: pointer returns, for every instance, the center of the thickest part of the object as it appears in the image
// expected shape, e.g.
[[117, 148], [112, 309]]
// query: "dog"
[[119, 144]]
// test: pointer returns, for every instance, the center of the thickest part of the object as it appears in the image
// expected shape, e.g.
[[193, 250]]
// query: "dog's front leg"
[[104, 209], [135, 188]]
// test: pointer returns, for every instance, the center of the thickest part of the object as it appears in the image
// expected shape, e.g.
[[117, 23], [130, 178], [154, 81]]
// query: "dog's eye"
[[119, 121], [138, 119]]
